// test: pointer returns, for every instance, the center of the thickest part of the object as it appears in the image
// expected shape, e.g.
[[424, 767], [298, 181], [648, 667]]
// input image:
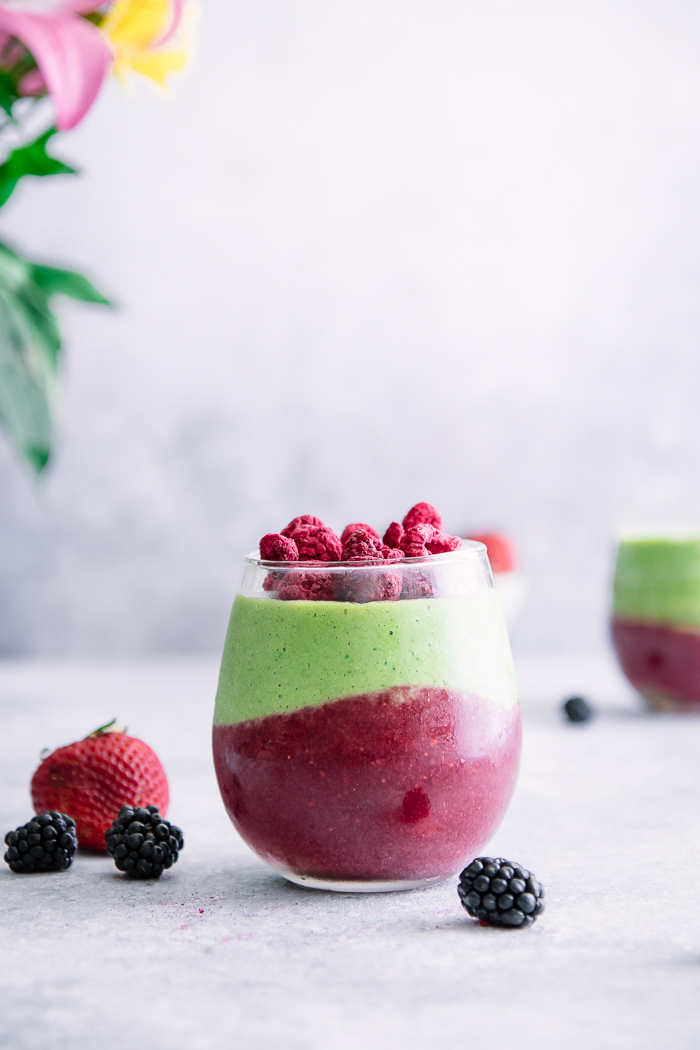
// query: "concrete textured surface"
[[221, 952]]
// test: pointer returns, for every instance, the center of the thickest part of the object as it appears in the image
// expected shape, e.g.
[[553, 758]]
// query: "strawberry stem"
[[102, 729]]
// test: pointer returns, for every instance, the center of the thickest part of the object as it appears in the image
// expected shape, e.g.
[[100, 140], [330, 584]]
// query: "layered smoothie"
[[656, 619], [367, 742]]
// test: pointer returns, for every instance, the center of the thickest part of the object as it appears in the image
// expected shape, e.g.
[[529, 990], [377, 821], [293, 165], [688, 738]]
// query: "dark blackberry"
[[499, 892], [142, 843], [47, 842], [577, 709]]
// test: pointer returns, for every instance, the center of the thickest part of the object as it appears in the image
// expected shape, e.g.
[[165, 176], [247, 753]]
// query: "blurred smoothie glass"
[[367, 726], [656, 616]]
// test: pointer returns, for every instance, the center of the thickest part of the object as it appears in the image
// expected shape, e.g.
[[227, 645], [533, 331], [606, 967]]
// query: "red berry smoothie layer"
[[403, 784], [662, 662]]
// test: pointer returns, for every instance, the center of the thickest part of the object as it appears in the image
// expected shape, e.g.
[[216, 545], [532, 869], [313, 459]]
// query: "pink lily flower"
[[72, 55], [175, 20]]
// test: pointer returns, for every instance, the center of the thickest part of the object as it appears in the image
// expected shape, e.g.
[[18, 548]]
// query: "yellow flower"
[[135, 29]]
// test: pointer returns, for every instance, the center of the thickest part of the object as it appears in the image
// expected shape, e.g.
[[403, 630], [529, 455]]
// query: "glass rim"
[[468, 548]]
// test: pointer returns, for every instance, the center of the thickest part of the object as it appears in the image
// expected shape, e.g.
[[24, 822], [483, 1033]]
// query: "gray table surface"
[[221, 952]]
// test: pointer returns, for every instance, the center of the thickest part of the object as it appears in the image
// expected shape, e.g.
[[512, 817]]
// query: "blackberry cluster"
[[500, 893], [47, 842], [142, 843]]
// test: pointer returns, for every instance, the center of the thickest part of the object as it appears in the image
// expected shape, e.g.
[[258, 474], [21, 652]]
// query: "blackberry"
[[142, 843], [499, 892], [47, 842], [577, 709]]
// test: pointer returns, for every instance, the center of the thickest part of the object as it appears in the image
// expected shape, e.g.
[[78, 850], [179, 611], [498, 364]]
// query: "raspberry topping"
[[441, 543], [415, 540], [349, 529], [364, 587], [275, 547], [305, 586], [423, 514], [393, 535], [389, 586], [418, 585], [361, 546], [303, 519], [317, 543], [307, 539]]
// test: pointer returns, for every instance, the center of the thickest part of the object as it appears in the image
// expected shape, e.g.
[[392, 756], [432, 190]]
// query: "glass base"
[[380, 886], [668, 704]]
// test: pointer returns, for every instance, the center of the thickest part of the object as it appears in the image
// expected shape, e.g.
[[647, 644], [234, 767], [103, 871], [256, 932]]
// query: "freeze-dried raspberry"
[[391, 553], [361, 546], [423, 514], [387, 586], [416, 550], [380, 587], [305, 587], [349, 529], [362, 587], [275, 547], [417, 584], [415, 540], [441, 543], [270, 581], [393, 535], [317, 543], [295, 523]]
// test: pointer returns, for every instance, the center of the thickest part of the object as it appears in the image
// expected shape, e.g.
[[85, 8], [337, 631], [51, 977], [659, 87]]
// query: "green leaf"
[[30, 346], [8, 93], [30, 160], [31, 303], [25, 410], [66, 282], [42, 325], [14, 271]]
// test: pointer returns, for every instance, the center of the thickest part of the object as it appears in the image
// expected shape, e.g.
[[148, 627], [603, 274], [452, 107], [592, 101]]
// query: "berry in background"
[[576, 709], [499, 548]]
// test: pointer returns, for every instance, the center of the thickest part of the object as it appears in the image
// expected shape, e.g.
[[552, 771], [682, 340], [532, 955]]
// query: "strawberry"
[[93, 778], [499, 548]]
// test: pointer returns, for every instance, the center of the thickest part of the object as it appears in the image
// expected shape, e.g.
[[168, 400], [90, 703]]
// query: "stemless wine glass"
[[656, 617], [367, 725]]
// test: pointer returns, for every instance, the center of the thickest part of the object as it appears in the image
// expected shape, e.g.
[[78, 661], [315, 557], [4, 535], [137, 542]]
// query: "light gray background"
[[371, 252]]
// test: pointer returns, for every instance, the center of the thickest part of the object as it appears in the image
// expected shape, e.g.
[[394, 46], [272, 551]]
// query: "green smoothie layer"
[[280, 656], [658, 580]]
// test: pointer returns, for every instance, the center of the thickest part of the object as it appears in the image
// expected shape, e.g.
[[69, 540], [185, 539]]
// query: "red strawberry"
[[93, 778], [499, 548]]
